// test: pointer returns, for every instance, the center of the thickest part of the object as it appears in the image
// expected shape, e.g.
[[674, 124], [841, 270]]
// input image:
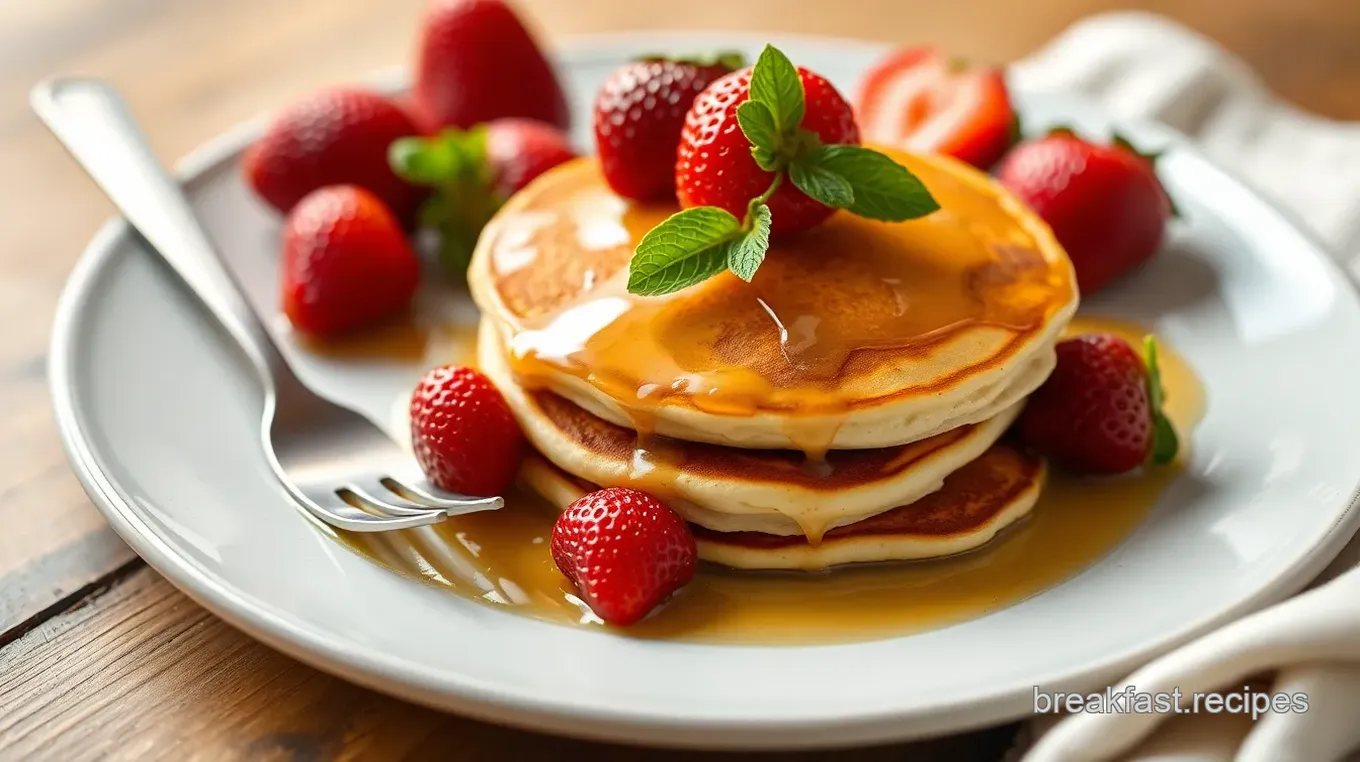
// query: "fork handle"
[[93, 122]]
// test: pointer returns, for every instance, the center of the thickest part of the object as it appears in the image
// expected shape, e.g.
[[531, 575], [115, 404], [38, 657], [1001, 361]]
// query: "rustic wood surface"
[[100, 657]]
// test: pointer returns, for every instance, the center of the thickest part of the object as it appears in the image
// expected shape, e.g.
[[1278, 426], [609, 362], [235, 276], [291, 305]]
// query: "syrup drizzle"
[[501, 558], [841, 315]]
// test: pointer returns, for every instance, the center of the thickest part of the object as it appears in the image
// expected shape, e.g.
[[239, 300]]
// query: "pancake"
[[729, 489], [975, 503], [855, 334]]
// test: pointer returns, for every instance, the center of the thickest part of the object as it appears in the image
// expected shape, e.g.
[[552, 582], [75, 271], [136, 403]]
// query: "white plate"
[[160, 420]]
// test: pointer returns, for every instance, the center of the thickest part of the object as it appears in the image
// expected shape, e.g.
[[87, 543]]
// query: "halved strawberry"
[[921, 100]]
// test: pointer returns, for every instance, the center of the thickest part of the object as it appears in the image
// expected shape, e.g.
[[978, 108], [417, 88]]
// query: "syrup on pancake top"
[[856, 333]]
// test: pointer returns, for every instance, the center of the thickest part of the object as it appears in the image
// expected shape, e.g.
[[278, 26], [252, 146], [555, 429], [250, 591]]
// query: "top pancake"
[[855, 334]]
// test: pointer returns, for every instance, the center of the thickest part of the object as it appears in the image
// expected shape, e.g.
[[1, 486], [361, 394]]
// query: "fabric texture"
[[1146, 67]]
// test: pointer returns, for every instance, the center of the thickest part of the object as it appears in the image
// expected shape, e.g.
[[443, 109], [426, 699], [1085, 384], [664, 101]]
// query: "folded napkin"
[[1142, 66]]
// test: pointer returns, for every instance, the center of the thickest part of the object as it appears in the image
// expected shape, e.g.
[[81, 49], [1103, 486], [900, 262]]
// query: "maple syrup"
[[840, 320], [501, 558]]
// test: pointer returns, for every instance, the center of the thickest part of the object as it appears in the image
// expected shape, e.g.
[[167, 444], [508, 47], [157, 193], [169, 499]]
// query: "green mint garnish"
[[881, 189], [696, 244], [775, 84], [453, 163], [747, 250], [757, 123], [1165, 443], [819, 181], [688, 247]]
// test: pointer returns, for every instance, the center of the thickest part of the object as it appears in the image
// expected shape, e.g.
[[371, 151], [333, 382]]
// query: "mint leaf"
[[766, 160], [677, 275], [882, 188], [747, 251], [1165, 443], [757, 123], [820, 183], [688, 247], [776, 84]]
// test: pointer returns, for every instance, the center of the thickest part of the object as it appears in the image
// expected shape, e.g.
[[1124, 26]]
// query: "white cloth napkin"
[[1143, 66]]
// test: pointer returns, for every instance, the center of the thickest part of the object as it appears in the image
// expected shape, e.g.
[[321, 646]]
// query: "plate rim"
[[554, 715]]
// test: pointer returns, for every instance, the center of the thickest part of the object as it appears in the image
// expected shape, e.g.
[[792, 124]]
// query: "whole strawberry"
[[346, 262], [639, 113], [472, 172], [465, 438], [1100, 411], [766, 151], [624, 551], [1104, 202], [333, 137], [715, 167], [519, 150], [476, 62]]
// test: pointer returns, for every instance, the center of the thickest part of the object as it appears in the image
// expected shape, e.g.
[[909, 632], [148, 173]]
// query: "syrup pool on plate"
[[501, 558]]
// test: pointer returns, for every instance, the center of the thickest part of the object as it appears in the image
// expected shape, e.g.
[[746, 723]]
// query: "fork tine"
[[452, 503], [375, 498], [345, 516]]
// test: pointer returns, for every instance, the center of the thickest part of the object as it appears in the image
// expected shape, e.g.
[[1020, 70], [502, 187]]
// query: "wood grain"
[[192, 68], [140, 672], [147, 667]]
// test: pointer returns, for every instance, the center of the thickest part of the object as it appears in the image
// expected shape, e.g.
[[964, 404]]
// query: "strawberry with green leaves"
[[1103, 201], [473, 172], [639, 114], [1100, 412], [768, 150]]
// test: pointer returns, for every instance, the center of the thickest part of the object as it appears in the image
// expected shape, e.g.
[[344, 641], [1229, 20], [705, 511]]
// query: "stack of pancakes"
[[847, 405]]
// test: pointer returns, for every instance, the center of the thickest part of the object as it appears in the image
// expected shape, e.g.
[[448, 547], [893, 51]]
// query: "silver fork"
[[337, 464]]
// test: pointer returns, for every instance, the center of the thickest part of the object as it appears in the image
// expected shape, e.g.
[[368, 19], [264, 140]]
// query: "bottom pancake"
[[977, 501]]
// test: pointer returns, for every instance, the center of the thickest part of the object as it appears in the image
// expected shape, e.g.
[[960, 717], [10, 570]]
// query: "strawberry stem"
[[764, 197], [731, 60], [1165, 443]]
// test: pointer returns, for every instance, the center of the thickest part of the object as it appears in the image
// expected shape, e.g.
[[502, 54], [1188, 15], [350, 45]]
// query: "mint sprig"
[[689, 247], [454, 164], [696, 244], [1165, 443]]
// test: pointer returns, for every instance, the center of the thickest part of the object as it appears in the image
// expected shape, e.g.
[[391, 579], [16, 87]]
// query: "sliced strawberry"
[[920, 100]]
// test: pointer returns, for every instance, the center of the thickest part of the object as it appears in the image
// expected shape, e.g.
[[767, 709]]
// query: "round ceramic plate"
[[160, 421]]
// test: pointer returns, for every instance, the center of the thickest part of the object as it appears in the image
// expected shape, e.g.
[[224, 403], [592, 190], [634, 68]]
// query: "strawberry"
[[346, 262], [624, 551], [639, 113], [333, 137], [922, 101], [518, 150], [715, 167], [1103, 202], [473, 172], [465, 438], [768, 150], [476, 62], [1100, 411]]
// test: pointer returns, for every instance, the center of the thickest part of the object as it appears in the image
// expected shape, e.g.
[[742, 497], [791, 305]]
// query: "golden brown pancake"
[[856, 334], [975, 503], [738, 489]]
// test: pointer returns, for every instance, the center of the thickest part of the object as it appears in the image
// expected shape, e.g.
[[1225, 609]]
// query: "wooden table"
[[101, 657]]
